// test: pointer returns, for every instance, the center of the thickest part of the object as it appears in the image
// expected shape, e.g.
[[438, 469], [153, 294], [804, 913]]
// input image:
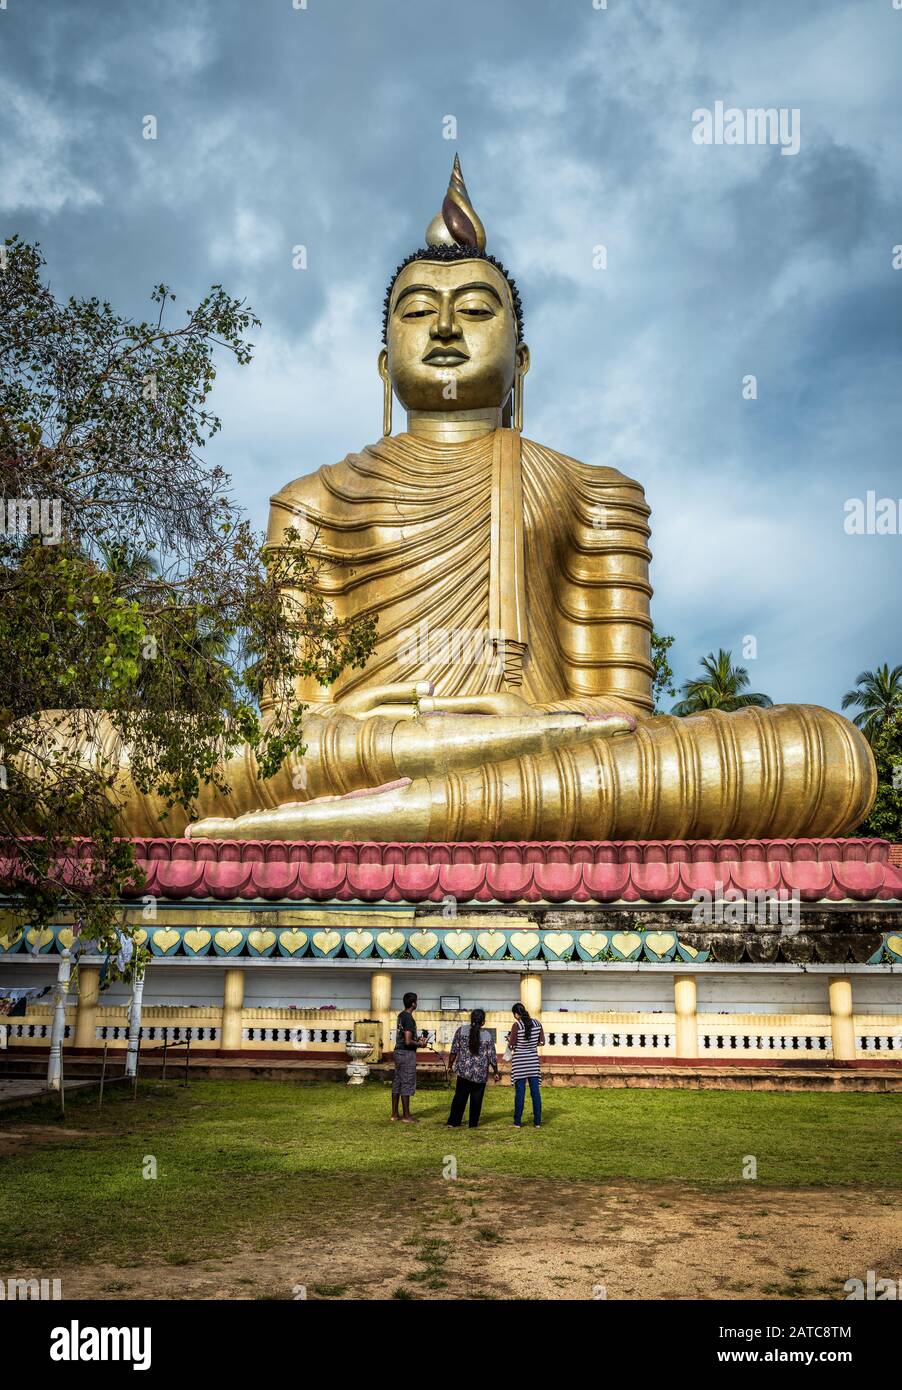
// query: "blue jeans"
[[535, 1092]]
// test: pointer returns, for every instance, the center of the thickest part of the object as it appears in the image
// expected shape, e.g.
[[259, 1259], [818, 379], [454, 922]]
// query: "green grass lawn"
[[241, 1160]]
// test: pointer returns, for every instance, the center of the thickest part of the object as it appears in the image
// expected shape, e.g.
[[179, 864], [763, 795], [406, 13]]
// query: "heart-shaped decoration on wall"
[[423, 942], [390, 943], [457, 943], [356, 942], [557, 944], [228, 940], [490, 944], [197, 939], [592, 944], [292, 941], [39, 937], [626, 944], [660, 943]]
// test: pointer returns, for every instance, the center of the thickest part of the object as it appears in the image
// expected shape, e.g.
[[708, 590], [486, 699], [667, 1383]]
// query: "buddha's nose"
[[445, 324]]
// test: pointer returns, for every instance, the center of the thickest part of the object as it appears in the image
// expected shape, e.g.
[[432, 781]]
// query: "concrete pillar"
[[685, 1008], [88, 998], [134, 1025], [58, 1028], [380, 1006], [842, 1022], [230, 1039], [531, 993]]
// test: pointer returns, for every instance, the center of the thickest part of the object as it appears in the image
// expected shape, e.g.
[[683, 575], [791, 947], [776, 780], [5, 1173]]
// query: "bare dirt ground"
[[22, 1137], [546, 1240]]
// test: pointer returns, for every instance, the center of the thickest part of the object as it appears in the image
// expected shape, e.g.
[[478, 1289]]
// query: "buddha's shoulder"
[[592, 476], [312, 491]]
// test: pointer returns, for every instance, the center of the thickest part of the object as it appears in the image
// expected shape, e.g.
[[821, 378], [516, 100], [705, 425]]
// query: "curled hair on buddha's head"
[[454, 253]]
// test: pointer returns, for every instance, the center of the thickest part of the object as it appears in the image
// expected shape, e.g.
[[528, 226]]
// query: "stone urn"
[[357, 1069]]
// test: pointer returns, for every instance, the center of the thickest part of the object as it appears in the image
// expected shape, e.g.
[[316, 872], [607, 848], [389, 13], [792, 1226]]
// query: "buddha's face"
[[452, 337]]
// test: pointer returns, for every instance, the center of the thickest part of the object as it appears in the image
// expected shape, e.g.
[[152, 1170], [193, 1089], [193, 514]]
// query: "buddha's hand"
[[409, 755], [402, 701]]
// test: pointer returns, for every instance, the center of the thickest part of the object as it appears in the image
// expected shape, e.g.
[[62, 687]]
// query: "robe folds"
[[461, 549]]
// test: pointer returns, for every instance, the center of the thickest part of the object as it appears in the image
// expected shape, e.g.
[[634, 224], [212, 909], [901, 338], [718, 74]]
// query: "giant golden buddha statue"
[[509, 695]]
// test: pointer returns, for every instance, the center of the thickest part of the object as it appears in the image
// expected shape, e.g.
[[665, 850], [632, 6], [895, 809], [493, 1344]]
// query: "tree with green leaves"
[[878, 694], [885, 816], [662, 681], [721, 686], [134, 595]]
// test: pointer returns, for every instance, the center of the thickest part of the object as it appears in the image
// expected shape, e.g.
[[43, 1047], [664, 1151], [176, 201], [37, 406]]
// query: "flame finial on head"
[[457, 224]]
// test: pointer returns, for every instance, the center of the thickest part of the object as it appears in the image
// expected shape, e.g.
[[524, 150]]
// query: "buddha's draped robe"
[[449, 551], [418, 530]]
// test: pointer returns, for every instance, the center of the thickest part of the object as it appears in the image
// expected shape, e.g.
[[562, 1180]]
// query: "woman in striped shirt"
[[526, 1036]]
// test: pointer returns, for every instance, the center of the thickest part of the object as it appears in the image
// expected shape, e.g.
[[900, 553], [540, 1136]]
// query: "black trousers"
[[472, 1091]]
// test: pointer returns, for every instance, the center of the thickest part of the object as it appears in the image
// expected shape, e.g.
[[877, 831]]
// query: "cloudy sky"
[[326, 126]]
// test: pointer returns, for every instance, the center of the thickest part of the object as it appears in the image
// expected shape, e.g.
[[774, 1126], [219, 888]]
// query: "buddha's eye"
[[475, 311], [417, 313]]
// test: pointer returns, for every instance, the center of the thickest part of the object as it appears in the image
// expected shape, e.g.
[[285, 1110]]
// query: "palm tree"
[[879, 693], [129, 568], [723, 686]]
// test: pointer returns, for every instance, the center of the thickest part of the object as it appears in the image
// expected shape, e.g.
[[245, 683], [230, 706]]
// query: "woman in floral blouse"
[[472, 1053]]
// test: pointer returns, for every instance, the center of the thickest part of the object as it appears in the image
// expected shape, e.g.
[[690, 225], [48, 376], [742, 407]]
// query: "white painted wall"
[[600, 990], [309, 986], [877, 994], [765, 993]]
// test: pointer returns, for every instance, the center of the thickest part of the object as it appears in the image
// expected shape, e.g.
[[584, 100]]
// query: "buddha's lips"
[[446, 357]]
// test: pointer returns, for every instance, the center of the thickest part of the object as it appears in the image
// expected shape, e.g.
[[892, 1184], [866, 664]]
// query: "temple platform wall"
[[281, 951], [785, 1015]]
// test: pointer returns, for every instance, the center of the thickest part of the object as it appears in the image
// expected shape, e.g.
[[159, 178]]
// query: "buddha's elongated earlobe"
[[386, 392], [520, 373]]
